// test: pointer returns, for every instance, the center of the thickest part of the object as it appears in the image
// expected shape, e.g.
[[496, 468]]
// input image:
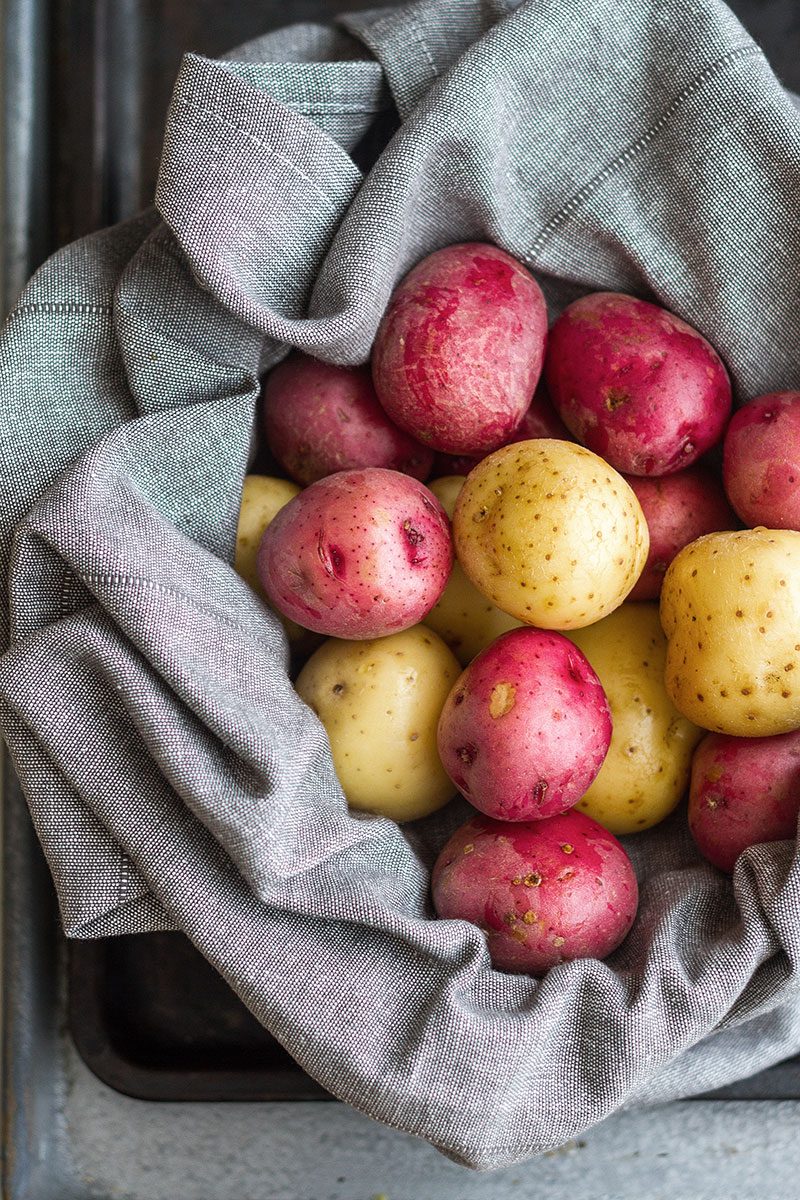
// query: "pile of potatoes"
[[496, 632]]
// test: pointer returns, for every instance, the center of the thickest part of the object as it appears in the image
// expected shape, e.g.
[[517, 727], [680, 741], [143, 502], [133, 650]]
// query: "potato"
[[526, 727], [543, 892], [446, 490], [319, 418], [453, 464], [678, 509], [636, 384], [744, 791], [380, 703], [462, 617], [541, 420], [646, 770], [262, 498], [550, 533], [730, 607], [761, 461], [459, 351], [358, 554]]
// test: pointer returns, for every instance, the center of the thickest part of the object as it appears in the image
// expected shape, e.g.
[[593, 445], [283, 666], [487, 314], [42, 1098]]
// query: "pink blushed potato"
[[761, 461], [359, 554], [453, 464], [541, 420], [319, 418], [678, 509], [526, 727], [544, 892], [743, 791], [459, 351], [636, 384]]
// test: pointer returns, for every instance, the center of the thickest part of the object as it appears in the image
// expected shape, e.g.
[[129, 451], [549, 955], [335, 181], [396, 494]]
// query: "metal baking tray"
[[85, 84], [154, 1020]]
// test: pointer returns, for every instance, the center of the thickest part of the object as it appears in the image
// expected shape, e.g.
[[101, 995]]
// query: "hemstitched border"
[[751, 50]]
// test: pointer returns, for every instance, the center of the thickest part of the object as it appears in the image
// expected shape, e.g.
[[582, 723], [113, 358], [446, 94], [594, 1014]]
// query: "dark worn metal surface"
[[116, 60], [154, 1020]]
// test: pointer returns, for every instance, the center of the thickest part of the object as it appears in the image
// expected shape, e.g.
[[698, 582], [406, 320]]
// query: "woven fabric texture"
[[174, 777]]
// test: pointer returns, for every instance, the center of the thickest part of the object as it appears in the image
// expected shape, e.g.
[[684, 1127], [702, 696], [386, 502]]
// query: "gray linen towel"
[[174, 777]]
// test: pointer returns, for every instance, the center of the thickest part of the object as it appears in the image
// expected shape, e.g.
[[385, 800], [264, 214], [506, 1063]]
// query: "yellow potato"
[[730, 607], [646, 770], [462, 617], [380, 703], [262, 499], [550, 533]]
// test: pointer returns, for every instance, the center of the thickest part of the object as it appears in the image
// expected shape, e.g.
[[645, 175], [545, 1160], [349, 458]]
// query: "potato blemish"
[[502, 700]]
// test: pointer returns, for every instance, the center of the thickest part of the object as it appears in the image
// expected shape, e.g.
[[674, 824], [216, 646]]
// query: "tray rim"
[[109, 1062]]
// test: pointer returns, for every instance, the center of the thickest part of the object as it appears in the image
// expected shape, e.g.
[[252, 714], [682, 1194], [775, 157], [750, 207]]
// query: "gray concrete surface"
[[695, 1150]]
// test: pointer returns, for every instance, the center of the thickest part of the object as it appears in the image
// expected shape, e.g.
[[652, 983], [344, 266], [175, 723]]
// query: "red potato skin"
[[743, 791], [359, 554], [636, 384], [452, 464], [459, 351], [319, 418], [678, 509], [544, 892], [526, 727], [761, 461], [540, 421]]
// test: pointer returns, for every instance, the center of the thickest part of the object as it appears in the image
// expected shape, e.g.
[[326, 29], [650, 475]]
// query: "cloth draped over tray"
[[174, 777]]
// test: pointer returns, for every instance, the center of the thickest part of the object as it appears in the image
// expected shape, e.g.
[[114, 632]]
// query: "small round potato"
[[380, 703], [744, 791], [543, 892], [730, 607], [646, 770], [358, 554], [526, 727], [462, 617], [263, 496], [761, 461], [550, 533], [459, 350], [636, 384], [320, 418], [679, 509]]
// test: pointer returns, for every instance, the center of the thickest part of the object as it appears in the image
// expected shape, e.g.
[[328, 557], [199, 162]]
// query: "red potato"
[[761, 461], [459, 351], [453, 464], [743, 791], [543, 893], [526, 727], [359, 554], [319, 418], [541, 421], [636, 384], [678, 509]]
